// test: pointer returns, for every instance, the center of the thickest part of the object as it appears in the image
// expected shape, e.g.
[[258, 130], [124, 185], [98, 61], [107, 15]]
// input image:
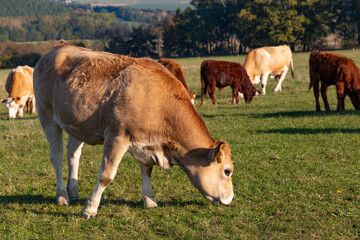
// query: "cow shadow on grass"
[[297, 114], [309, 131], [5, 117], [290, 114], [38, 199]]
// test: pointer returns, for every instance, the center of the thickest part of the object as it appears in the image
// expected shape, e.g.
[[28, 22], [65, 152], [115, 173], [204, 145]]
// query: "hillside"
[[37, 8]]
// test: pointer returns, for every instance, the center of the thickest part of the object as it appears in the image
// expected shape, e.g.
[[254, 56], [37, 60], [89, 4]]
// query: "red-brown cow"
[[177, 71], [334, 69], [221, 74]]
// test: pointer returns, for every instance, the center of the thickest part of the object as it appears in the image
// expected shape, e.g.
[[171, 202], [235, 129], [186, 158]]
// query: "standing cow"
[[221, 74], [98, 98], [177, 71], [263, 62], [334, 69], [19, 85]]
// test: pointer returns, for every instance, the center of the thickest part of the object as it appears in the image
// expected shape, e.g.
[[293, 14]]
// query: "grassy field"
[[297, 174]]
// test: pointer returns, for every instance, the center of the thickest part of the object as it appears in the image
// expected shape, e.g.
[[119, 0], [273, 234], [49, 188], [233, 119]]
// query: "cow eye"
[[227, 172]]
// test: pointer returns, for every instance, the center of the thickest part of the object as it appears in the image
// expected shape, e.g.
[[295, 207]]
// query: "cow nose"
[[228, 200]]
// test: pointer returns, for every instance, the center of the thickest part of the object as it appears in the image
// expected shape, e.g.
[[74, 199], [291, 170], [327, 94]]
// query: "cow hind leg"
[[54, 136], [147, 195], [73, 155], [114, 150], [280, 80], [323, 90], [204, 87]]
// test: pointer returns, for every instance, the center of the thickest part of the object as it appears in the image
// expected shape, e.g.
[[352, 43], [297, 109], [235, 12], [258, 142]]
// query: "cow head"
[[12, 104], [249, 93], [210, 172]]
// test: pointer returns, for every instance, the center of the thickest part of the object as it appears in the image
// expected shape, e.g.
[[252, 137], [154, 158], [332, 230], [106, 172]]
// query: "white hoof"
[[149, 202], [62, 198], [89, 210]]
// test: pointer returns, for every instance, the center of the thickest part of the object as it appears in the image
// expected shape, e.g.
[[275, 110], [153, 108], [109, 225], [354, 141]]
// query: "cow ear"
[[218, 153], [17, 99], [2, 99]]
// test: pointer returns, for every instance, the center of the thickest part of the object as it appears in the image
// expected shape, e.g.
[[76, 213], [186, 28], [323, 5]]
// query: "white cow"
[[263, 62], [19, 85], [98, 98]]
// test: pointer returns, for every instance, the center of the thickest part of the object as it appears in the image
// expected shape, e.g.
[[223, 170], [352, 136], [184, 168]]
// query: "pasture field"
[[297, 174]]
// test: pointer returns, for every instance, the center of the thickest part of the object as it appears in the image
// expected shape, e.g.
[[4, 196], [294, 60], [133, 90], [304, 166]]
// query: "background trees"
[[208, 27]]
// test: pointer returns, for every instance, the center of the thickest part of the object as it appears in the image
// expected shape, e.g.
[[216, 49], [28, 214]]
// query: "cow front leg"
[[235, 96], [212, 94], [341, 105], [279, 81], [355, 99], [33, 105], [73, 155], [323, 90], [114, 150], [264, 78], [147, 195], [21, 110]]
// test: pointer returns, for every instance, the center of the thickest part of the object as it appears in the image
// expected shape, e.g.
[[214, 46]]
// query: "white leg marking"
[[264, 78], [114, 150], [147, 194], [73, 155], [282, 77], [54, 136]]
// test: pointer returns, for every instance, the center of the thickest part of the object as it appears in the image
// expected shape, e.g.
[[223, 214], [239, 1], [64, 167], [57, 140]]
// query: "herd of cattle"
[[94, 97]]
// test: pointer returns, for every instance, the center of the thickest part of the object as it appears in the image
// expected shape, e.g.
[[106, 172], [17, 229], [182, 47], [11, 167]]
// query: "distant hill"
[[139, 4], [20, 8]]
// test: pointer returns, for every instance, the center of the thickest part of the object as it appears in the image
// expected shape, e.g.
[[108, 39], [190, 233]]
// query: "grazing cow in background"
[[221, 74], [19, 85], [334, 69], [269, 61], [94, 97], [177, 71]]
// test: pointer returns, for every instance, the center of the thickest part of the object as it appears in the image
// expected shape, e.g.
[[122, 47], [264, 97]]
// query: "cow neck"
[[190, 131]]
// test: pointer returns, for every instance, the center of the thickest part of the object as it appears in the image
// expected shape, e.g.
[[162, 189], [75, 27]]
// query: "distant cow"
[[269, 61], [334, 69], [177, 71], [221, 74], [19, 85], [94, 97]]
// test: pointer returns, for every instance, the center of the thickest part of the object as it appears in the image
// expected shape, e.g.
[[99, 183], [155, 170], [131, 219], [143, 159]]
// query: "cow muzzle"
[[221, 201]]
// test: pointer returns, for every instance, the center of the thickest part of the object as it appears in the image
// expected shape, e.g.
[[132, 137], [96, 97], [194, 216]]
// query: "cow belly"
[[150, 155], [81, 131]]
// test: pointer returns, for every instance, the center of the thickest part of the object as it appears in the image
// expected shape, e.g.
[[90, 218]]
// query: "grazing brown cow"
[[269, 61], [177, 71], [221, 74], [94, 97], [334, 69], [19, 85]]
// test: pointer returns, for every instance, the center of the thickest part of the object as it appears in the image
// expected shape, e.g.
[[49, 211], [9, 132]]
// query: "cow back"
[[90, 92]]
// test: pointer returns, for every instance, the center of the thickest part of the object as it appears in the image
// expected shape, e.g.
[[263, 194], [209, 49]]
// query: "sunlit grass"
[[296, 174]]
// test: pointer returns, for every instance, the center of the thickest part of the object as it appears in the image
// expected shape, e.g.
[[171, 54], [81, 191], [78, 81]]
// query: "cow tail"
[[292, 68]]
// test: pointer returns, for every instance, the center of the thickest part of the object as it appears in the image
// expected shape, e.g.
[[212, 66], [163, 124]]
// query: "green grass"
[[297, 174]]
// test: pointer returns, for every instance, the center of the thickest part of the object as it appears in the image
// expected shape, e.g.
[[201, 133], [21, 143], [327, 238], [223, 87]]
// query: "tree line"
[[208, 27], [235, 26]]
